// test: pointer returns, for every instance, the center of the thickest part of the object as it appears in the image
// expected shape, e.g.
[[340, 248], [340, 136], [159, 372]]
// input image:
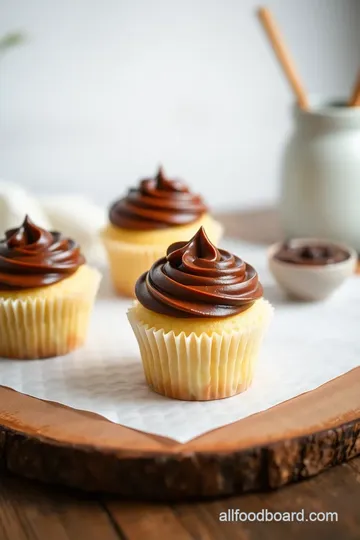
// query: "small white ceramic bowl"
[[311, 282]]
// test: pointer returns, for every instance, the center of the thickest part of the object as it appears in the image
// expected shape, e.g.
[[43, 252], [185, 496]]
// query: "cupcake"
[[46, 293], [143, 224], [199, 319]]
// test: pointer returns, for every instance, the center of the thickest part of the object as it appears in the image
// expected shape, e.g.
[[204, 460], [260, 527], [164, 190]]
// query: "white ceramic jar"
[[320, 195]]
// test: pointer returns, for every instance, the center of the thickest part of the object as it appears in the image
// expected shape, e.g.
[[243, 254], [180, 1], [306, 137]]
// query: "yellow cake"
[[199, 320], [143, 224], [46, 293]]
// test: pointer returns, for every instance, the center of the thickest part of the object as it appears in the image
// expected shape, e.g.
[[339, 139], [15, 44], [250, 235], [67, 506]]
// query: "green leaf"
[[11, 40]]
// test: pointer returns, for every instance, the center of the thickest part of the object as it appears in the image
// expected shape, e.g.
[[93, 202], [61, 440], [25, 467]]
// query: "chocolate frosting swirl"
[[196, 279], [157, 203], [33, 257]]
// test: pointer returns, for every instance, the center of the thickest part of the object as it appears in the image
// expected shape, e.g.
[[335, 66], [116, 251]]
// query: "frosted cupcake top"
[[196, 279], [157, 203], [33, 257]]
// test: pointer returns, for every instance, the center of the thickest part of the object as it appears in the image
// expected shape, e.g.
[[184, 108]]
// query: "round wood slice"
[[292, 441]]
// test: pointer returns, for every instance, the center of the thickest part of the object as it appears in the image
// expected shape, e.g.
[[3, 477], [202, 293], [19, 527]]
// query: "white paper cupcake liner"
[[204, 367], [42, 327]]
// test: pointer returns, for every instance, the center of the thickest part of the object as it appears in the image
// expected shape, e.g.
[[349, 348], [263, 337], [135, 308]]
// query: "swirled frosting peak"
[[157, 203], [33, 257], [196, 279]]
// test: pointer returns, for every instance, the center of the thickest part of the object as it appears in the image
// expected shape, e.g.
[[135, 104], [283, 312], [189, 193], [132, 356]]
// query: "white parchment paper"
[[306, 346]]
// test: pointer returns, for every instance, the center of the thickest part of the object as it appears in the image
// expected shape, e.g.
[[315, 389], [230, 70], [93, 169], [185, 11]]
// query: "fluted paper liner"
[[129, 261], [199, 367], [41, 327]]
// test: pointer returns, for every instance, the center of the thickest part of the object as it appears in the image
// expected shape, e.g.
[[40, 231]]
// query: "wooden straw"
[[283, 55], [355, 96]]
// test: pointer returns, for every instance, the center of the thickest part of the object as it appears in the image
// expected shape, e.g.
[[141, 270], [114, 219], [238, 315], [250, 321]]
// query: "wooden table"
[[30, 511]]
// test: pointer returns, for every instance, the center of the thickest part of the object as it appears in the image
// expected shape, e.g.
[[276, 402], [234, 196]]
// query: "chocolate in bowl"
[[311, 269], [312, 254]]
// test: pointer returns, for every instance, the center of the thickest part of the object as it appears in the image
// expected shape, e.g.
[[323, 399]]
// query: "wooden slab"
[[292, 441]]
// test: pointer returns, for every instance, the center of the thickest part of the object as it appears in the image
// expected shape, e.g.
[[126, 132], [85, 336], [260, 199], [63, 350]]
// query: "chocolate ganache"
[[33, 257], [315, 254], [196, 279], [157, 203]]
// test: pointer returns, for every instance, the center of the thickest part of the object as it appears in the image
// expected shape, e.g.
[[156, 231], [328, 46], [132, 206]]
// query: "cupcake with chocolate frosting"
[[199, 319], [46, 293], [141, 226]]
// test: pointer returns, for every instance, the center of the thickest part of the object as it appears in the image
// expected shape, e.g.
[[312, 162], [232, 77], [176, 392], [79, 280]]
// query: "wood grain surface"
[[287, 443], [30, 511]]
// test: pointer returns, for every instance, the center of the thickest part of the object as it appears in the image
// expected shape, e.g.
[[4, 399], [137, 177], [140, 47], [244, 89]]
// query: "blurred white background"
[[105, 90]]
